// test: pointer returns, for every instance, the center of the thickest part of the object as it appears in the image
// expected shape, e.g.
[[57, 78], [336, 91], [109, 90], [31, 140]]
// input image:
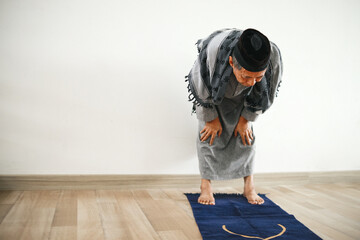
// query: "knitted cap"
[[253, 50]]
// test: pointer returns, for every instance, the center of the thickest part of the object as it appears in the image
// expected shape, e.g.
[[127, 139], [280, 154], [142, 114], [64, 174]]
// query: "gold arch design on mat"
[[271, 237]]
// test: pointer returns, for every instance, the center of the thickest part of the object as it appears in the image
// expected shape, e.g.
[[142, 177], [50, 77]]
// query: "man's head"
[[244, 76], [250, 57]]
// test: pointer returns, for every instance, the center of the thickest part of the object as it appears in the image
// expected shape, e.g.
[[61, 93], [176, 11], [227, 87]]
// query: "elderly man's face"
[[245, 77]]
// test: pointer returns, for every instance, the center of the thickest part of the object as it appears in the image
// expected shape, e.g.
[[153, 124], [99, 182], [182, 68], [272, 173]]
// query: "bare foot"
[[206, 196], [252, 197], [250, 193]]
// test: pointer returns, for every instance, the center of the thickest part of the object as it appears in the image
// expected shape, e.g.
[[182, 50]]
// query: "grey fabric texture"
[[228, 157], [234, 88]]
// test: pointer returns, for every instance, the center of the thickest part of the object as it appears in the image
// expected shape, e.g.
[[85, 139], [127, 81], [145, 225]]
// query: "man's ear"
[[231, 61]]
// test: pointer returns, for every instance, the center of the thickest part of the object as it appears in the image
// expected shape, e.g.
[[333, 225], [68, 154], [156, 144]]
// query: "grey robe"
[[227, 157]]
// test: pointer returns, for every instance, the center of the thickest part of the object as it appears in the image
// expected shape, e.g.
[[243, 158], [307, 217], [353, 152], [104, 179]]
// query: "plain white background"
[[97, 87]]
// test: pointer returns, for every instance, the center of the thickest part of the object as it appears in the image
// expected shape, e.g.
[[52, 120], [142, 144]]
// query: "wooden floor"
[[331, 210]]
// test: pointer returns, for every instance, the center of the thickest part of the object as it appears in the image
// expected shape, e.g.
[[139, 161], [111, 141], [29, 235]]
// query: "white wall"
[[97, 87]]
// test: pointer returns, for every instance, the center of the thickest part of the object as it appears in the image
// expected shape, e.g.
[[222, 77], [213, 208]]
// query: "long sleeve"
[[249, 115], [206, 114]]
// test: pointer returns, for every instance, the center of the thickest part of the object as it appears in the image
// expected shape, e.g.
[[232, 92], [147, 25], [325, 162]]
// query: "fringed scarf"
[[210, 74]]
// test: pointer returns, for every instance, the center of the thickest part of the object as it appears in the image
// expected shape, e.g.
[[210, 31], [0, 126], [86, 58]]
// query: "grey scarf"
[[210, 74]]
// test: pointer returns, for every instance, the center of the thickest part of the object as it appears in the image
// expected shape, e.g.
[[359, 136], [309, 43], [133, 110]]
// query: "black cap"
[[253, 50]]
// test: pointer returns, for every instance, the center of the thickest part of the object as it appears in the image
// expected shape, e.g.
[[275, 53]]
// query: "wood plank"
[[38, 225], [89, 224], [63, 233], [137, 223], [66, 209], [346, 212], [64, 225], [164, 215], [31, 216], [4, 210], [122, 218], [172, 235], [14, 222], [9, 196], [294, 206]]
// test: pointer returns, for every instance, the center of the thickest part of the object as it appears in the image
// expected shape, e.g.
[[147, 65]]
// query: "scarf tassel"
[[277, 89], [192, 98]]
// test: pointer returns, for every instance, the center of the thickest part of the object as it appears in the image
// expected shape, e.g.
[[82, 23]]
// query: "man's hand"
[[211, 129], [244, 129]]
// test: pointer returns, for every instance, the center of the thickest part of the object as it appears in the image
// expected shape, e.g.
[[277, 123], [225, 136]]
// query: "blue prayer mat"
[[233, 217]]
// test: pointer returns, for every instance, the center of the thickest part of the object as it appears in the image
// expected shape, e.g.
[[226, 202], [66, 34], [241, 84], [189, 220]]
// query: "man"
[[235, 78]]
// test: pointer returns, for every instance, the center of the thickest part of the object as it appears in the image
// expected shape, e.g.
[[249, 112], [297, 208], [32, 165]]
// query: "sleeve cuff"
[[250, 116], [206, 114]]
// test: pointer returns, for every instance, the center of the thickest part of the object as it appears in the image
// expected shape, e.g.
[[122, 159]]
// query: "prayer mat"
[[233, 217]]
